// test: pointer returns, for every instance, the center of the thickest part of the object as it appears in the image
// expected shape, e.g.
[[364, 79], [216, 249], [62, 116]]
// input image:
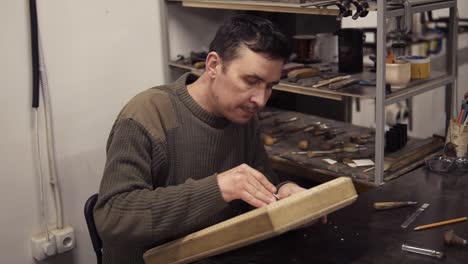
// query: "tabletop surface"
[[359, 234]]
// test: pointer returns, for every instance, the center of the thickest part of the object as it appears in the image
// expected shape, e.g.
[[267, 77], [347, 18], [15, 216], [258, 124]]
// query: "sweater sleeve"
[[132, 207]]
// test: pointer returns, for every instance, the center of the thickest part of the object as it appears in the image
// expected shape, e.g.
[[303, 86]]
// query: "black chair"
[[95, 239]]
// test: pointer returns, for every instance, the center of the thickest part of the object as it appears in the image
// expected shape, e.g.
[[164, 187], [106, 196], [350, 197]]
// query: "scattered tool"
[[270, 140], [332, 80], [345, 9], [414, 215], [447, 222], [342, 84], [329, 145], [199, 65], [317, 153], [361, 9], [277, 121], [288, 67], [303, 144], [392, 205], [422, 251], [294, 129], [296, 75], [265, 115], [451, 239], [331, 134], [361, 139]]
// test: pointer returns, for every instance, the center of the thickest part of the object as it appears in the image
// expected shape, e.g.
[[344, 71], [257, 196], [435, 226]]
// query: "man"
[[188, 155]]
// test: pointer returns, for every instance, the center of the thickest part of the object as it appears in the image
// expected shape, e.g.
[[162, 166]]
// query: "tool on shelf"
[[317, 153], [296, 75], [270, 140], [329, 81], [361, 9], [342, 84], [265, 115], [392, 205], [277, 121], [332, 133], [345, 9], [303, 144], [414, 215]]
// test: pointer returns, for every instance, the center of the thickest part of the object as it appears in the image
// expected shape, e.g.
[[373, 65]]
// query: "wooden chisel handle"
[[391, 205]]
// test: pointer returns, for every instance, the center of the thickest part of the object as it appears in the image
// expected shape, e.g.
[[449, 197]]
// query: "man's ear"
[[213, 64]]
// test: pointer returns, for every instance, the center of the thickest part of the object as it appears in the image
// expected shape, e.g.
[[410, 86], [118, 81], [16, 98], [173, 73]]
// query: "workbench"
[[359, 234], [316, 169]]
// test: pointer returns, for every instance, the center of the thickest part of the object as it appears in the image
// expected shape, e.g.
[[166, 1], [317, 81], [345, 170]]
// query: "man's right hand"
[[245, 183]]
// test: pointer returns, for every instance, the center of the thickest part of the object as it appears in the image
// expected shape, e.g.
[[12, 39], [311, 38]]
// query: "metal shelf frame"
[[384, 12], [448, 81]]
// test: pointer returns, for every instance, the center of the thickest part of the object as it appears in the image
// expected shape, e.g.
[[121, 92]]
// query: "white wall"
[[98, 54]]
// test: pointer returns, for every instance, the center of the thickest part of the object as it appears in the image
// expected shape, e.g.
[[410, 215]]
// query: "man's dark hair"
[[258, 34]]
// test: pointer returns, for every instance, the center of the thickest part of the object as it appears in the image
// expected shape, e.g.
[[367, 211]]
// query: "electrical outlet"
[[65, 239], [43, 247]]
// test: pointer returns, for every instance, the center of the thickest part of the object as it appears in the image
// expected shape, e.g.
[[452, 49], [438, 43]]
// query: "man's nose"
[[260, 97]]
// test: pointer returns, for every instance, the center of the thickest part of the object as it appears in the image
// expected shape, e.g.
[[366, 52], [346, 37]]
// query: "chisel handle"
[[391, 205]]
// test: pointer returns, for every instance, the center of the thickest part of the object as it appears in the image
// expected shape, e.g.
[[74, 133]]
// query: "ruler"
[[414, 215]]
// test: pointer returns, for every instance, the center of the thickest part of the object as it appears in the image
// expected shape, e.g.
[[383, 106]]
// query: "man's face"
[[243, 87]]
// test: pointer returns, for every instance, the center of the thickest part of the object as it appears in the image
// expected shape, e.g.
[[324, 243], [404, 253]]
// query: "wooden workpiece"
[[259, 224]]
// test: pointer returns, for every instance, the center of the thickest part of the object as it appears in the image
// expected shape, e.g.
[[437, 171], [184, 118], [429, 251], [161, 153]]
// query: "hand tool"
[[328, 146], [303, 144], [199, 65], [361, 9], [332, 80], [447, 222], [277, 121], [265, 115], [451, 239], [345, 9], [331, 134], [316, 153], [288, 67], [295, 75], [342, 84], [294, 129], [414, 215], [320, 3], [422, 251], [391, 205], [270, 140]]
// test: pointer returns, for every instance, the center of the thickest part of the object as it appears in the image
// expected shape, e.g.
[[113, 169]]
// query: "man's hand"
[[289, 189], [245, 183]]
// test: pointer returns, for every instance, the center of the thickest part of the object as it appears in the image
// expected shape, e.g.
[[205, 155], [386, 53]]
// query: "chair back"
[[89, 216]]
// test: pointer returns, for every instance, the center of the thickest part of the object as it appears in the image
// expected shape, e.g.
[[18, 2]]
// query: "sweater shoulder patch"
[[154, 110]]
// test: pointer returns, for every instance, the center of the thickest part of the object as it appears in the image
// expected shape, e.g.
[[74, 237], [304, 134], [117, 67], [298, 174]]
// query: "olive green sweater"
[[159, 184]]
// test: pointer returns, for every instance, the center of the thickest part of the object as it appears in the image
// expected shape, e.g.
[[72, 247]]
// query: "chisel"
[[391, 205]]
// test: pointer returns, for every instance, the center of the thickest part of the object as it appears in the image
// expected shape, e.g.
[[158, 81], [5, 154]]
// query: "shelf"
[[186, 67], [421, 6], [265, 6], [438, 79], [363, 92]]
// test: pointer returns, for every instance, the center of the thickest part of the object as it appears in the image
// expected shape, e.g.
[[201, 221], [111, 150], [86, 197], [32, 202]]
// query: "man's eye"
[[251, 81]]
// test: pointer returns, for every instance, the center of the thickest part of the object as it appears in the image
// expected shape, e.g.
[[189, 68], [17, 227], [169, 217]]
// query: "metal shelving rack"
[[384, 12]]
